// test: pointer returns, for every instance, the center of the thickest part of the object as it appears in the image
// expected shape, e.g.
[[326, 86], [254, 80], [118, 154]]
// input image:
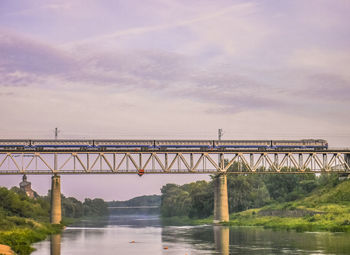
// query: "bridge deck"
[[170, 150], [97, 161]]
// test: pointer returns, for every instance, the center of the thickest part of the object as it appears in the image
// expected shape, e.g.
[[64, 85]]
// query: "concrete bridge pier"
[[56, 211], [221, 213]]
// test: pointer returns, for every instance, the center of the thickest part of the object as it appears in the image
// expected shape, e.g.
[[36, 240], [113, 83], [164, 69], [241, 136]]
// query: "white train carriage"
[[163, 144], [62, 143], [242, 144], [300, 144], [123, 143], [14, 143], [315, 143]]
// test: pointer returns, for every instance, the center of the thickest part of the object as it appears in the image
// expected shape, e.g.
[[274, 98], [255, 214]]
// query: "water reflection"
[[55, 244], [222, 239], [134, 210], [135, 217], [145, 234]]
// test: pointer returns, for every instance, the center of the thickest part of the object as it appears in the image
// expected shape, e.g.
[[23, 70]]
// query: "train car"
[[315, 143], [14, 143], [61, 143], [124, 143], [300, 144], [287, 144], [163, 144], [259, 144]]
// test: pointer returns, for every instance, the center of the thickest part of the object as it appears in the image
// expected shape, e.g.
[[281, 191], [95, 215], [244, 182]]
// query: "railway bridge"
[[61, 160]]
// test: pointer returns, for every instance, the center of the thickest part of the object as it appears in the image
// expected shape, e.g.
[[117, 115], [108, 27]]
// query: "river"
[[140, 231]]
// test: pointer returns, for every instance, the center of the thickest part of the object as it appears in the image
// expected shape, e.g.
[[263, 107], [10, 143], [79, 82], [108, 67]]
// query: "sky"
[[159, 69]]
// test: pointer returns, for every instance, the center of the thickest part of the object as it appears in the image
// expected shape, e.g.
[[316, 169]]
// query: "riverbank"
[[25, 233], [326, 209], [336, 219], [25, 220], [185, 220]]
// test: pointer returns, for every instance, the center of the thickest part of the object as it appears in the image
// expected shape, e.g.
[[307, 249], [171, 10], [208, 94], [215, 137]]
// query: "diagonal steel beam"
[[2, 162], [213, 163], [172, 162], [184, 161], [318, 161], [15, 162], [198, 162], [121, 162], [293, 160], [159, 162], [271, 164], [147, 161], [44, 161], [133, 161], [243, 159], [307, 161], [230, 162], [95, 162]]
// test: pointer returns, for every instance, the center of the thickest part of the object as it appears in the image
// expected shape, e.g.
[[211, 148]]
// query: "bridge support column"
[[220, 199], [56, 211]]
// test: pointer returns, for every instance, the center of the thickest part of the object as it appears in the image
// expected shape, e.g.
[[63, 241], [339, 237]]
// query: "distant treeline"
[[195, 200], [14, 202], [71, 207], [152, 200]]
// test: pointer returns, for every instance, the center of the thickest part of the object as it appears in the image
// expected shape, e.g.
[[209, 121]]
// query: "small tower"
[[26, 187]]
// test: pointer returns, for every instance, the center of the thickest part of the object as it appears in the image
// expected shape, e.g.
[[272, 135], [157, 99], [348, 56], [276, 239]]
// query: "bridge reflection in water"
[[55, 244], [222, 239]]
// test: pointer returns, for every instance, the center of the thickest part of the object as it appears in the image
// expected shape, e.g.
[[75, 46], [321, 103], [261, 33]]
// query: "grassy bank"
[[25, 233], [185, 220], [326, 209], [24, 220]]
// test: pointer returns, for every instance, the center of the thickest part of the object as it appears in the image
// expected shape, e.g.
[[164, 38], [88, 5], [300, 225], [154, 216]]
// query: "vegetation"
[[73, 208], [195, 200], [326, 209], [289, 201], [18, 229], [152, 200], [24, 221]]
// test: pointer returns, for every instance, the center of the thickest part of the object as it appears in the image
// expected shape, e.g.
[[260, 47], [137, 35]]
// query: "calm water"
[[139, 231]]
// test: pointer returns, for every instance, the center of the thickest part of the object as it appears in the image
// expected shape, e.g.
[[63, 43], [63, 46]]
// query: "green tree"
[[95, 207]]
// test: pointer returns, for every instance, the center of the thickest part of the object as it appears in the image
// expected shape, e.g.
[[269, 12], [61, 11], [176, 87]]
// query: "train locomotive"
[[315, 144]]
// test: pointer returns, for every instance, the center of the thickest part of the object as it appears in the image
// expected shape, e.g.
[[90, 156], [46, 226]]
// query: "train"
[[316, 144]]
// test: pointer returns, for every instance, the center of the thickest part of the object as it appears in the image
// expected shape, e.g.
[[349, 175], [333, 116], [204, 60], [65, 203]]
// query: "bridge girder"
[[209, 162]]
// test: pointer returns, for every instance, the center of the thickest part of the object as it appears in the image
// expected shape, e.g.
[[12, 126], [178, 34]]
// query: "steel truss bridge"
[[180, 161]]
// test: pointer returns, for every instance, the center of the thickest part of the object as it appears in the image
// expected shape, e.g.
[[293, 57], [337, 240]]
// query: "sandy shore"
[[5, 250]]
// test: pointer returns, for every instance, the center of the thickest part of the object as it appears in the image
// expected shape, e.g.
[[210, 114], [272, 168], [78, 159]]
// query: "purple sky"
[[172, 69]]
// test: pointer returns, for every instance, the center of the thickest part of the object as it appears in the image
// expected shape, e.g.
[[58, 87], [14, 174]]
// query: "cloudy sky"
[[262, 69]]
